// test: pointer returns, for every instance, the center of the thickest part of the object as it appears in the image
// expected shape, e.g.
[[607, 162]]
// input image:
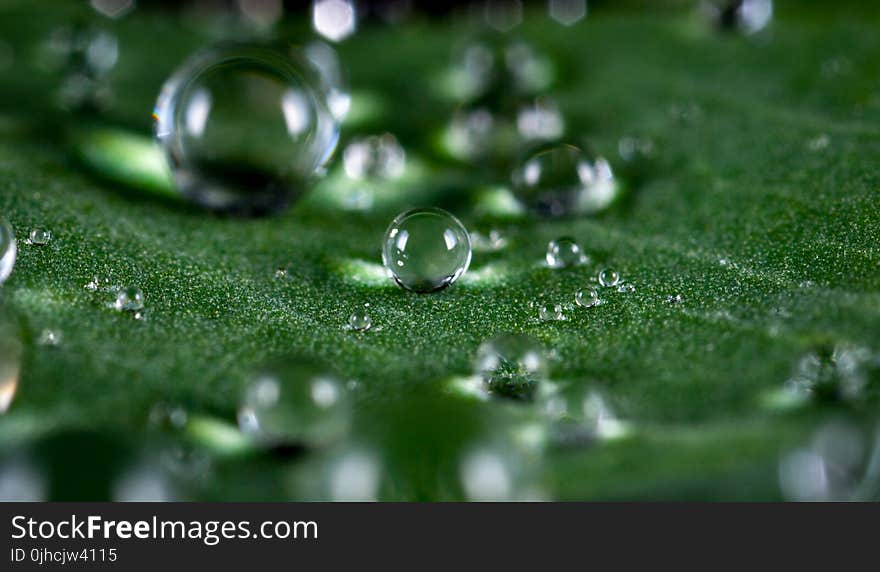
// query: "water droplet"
[[378, 156], [492, 72], [165, 416], [841, 463], [129, 299], [360, 320], [634, 148], [586, 298], [565, 252], [84, 55], [325, 58], [568, 12], [744, 16], [39, 236], [426, 249], [334, 19], [295, 403], [549, 312], [472, 133], [50, 338], [540, 121], [676, 299], [10, 360], [819, 143], [493, 241], [609, 277], [833, 373], [243, 126], [563, 180], [7, 250], [625, 288], [511, 365]]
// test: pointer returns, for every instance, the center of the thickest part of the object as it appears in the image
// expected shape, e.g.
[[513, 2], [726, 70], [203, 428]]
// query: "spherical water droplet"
[[298, 403], [426, 249], [7, 250], [565, 252], [609, 277], [243, 126], [379, 157], [586, 298], [129, 299], [511, 365], [549, 312], [563, 180], [360, 320], [39, 236]]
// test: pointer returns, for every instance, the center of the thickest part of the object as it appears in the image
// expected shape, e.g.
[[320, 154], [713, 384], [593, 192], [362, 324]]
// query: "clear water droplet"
[[8, 250], [511, 365], [244, 126], [608, 277], [360, 320], [586, 298], [565, 252], [129, 299], [549, 312], [562, 180], [50, 338], [426, 249], [540, 121], [295, 402], [375, 157], [39, 236]]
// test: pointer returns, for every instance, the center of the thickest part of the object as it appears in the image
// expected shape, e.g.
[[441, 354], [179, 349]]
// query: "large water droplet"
[[8, 250], [511, 365], [565, 252], [563, 180], [39, 236], [243, 126], [129, 299], [295, 403], [426, 249]]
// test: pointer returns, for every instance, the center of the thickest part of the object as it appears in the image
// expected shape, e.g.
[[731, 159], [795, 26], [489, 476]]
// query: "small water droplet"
[[634, 148], [295, 403], [540, 121], [511, 365], [565, 252], [39, 236], [586, 298], [165, 416], [493, 241], [819, 143], [129, 299], [374, 157], [549, 312], [360, 320], [674, 299], [563, 180], [609, 277], [426, 249], [7, 250], [50, 338], [334, 19]]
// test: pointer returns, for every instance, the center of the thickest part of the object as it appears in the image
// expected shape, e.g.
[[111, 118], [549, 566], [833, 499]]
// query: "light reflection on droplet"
[[334, 19]]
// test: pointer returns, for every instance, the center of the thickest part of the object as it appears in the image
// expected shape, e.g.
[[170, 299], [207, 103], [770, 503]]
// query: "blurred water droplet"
[[609, 277], [819, 143], [426, 249], [334, 19], [50, 338], [635, 148], [85, 56], [39, 236], [493, 72], [360, 320], [676, 299], [568, 12], [841, 463], [503, 15], [129, 299], [833, 373], [540, 121], [114, 9], [21, 481], [355, 477], [744, 16], [10, 360], [262, 14], [493, 241], [565, 252], [8, 250], [586, 298], [165, 416], [563, 180], [379, 157], [295, 403], [511, 365]]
